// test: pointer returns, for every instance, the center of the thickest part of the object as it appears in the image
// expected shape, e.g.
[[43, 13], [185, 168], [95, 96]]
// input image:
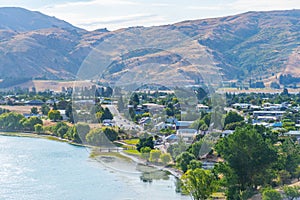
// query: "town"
[[155, 126]]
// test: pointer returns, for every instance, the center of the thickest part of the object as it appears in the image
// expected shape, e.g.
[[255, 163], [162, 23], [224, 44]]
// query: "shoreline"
[[94, 154]]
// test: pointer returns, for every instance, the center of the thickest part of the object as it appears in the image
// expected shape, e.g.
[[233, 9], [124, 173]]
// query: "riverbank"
[[97, 155]]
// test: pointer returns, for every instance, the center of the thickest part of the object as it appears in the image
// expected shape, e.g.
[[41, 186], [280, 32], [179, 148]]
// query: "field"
[[20, 109], [54, 85]]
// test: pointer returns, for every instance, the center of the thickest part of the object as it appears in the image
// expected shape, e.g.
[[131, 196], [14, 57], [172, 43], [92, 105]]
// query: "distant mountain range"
[[253, 45]]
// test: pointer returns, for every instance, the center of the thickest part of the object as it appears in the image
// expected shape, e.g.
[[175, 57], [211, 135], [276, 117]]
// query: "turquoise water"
[[36, 169]]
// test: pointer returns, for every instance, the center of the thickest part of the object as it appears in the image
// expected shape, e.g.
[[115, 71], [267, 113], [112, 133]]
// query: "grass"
[[131, 141], [133, 152], [218, 195]]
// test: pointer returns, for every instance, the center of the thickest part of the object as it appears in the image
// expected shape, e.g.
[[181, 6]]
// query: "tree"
[[194, 164], [62, 131], [135, 100], [183, 160], [45, 109], [271, 194], [145, 152], [249, 156], [38, 128], [232, 117], [96, 137], [107, 114], [11, 121], [54, 115], [81, 131], [291, 192], [154, 155], [165, 158], [199, 183], [111, 134], [34, 110], [176, 149], [200, 93], [28, 124], [145, 142]]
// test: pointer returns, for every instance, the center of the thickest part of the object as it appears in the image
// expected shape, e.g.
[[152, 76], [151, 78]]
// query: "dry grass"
[[56, 86], [20, 109]]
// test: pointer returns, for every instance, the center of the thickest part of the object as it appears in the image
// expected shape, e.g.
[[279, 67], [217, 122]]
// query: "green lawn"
[[133, 152], [131, 141]]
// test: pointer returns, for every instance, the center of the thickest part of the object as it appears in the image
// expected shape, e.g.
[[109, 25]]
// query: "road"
[[121, 121]]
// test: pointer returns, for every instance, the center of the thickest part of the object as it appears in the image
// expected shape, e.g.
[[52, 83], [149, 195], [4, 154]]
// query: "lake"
[[36, 168]]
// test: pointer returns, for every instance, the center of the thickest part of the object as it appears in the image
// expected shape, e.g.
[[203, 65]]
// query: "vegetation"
[[199, 183], [271, 194]]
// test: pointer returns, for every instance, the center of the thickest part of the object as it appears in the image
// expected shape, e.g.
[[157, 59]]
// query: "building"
[[273, 113], [35, 102], [188, 135], [202, 108], [241, 106], [183, 124], [295, 134]]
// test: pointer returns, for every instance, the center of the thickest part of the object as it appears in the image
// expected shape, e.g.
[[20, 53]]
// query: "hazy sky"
[[114, 14]]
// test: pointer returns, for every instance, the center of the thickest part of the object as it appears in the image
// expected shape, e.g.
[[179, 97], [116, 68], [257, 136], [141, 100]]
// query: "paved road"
[[122, 121]]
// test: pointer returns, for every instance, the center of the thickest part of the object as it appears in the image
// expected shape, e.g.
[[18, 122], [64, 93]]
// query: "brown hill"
[[255, 45]]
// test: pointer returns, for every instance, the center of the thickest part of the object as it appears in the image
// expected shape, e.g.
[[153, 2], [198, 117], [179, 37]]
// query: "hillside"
[[253, 45], [22, 20]]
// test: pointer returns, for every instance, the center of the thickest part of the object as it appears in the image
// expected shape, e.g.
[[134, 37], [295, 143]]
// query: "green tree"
[[176, 149], [165, 158], [62, 131], [82, 130], [145, 142], [54, 115], [34, 110], [194, 164], [199, 183], [45, 109], [110, 133], [38, 128], [271, 194], [249, 156], [134, 100], [232, 117], [154, 155], [183, 160], [145, 152], [96, 137], [291, 192], [28, 124], [11, 121]]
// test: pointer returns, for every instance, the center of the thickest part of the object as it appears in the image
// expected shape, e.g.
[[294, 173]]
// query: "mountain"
[[254, 45], [22, 20]]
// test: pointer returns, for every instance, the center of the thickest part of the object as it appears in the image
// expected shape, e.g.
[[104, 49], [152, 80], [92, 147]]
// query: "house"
[[153, 108], [241, 106], [35, 102], [145, 120], [274, 113], [188, 135], [225, 133], [63, 114], [183, 124], [160, 125], [202, 108], [27, 116], [171, 138], [295, 134]]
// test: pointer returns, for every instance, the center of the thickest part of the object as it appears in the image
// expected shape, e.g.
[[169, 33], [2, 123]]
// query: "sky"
[[116, 14]]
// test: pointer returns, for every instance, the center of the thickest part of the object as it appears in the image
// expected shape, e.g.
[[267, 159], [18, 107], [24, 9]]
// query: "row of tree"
[[16, 122]]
